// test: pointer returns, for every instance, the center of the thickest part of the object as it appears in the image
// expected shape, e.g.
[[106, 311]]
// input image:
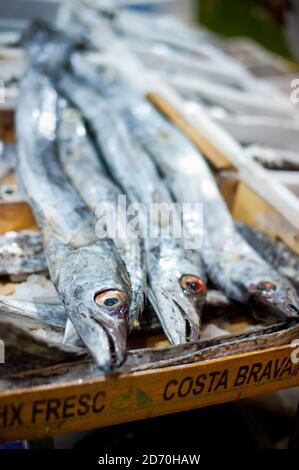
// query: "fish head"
[[101, 320], [97, 297], [178, 299], [279, 298]]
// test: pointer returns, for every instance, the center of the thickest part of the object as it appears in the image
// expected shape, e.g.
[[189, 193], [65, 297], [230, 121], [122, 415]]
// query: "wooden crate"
[[46, 410], [73, 396]]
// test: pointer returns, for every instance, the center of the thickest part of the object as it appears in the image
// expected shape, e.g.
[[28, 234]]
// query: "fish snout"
[[282, 301], [178, 316], [189, 321], [116, 335], [101, 320], [111, 312]]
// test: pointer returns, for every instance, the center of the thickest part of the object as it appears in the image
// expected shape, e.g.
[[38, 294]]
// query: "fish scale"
[[275, 252], [167, 263], [233, 266], [21, 253], [81, 163], [81, 267]]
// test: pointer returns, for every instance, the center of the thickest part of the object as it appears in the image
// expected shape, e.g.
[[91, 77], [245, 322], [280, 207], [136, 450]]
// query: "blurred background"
[[273, 23]]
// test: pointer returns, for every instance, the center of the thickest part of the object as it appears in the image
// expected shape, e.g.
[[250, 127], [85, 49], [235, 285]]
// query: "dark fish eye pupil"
[[192, 286], [110, 302], [266, 286]]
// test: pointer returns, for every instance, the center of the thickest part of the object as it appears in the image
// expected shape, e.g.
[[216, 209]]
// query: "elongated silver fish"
[[89, 275], [233, 266], [21, 253], [81, 163], [25, 349], [49, 314], [231, 263], [177, 287], [38, 329], [274, 159], [274, 252]]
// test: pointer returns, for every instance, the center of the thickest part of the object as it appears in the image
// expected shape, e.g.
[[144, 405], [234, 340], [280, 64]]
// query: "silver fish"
[[81, 163], [36, 328], [274, 159], [21, 253], [53, 315], [26, 349], [177, 287], [233, 266], [231, 263], [89, 275], [276, 253]]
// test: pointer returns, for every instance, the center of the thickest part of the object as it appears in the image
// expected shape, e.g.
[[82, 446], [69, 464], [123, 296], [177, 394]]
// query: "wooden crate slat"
[[16, 216], [49, 410]]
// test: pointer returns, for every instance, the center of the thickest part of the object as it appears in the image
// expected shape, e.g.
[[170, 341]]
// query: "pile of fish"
[[86, 138], [203, 69]]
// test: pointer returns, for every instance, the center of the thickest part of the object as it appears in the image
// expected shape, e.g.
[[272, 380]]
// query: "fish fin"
[[71, 336]]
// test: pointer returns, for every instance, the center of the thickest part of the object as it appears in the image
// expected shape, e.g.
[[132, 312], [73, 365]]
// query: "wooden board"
[[228, 183], [50, 410], [16, 216]]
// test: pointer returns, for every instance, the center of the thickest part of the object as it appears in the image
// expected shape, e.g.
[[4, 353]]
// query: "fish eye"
[[193, 285], [110, 299], [263, 286]]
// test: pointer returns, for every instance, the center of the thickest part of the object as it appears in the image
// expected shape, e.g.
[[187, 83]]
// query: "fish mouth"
[[192, 328], [279, 301], [178, 317], [117, 349], [282, 308], [116, 339], [105, 338]]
